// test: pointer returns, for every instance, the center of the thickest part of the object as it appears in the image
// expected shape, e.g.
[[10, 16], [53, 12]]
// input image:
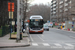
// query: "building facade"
[[62, 10]]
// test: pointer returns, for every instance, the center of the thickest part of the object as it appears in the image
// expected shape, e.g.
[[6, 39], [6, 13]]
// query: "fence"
[[4, 30]]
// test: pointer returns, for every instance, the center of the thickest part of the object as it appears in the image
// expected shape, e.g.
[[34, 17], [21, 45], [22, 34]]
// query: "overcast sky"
[[41, 1]]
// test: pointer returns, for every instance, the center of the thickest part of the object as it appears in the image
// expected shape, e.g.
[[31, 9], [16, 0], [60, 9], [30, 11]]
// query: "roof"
[[36, 17]]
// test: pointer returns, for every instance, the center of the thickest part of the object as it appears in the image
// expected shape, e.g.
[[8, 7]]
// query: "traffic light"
[[12, 6], [9, 6]]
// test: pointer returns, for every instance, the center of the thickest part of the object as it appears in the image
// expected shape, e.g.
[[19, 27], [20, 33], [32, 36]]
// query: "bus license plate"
[[36, 31]]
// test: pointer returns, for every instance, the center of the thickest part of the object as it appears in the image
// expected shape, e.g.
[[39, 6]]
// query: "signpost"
[[10, 10], [51, 24]]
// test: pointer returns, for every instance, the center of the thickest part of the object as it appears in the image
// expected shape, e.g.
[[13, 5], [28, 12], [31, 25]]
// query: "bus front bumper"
[[36, 30]]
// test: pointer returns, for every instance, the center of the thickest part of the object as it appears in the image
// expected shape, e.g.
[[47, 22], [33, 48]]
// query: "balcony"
[[61, 2], [66, 9], [51, 4], [70, 1], [60, 10], [54, 8], [51, 7], [69, 6], [66, 0], [54, 12], [66, 4], [54, 5], [54, 2], [61, 7]]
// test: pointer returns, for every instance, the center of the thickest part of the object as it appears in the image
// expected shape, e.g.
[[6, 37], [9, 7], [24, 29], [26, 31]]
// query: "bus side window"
[[41, 22]]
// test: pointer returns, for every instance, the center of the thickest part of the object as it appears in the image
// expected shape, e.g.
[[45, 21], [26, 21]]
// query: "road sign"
[[10, 15], [51, 24]]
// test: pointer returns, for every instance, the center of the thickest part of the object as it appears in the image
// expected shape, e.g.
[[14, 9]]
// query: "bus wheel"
[[29, 32], [41, 32]]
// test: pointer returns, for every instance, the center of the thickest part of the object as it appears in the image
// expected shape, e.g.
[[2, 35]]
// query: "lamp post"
[[18, 20]]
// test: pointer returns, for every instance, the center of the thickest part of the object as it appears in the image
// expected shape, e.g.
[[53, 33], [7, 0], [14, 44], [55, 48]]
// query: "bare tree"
[[41, 9]]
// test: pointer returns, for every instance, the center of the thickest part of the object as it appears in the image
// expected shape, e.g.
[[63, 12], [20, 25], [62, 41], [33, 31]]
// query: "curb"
[[26, 45], [15, 46]]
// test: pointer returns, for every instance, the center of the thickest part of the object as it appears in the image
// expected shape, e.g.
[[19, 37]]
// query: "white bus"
[[36, 24]]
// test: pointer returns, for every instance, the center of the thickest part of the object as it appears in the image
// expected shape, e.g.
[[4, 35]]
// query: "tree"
[[4, 17], [41, 9]]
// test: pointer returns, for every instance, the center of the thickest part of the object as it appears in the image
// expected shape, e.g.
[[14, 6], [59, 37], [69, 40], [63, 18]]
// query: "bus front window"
[[36, 23]]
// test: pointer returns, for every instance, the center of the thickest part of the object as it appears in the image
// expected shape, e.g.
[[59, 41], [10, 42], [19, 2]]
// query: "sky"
[[41, 1]]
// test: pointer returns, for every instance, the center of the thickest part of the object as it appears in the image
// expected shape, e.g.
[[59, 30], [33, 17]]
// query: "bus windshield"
[[36, 23]]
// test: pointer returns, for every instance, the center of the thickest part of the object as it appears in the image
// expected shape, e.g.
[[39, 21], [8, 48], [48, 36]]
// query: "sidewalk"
[[5, 42], [65, 30]]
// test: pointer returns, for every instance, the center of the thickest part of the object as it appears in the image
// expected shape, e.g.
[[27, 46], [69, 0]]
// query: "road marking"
[[72, 37], [46, 44], [57, 44], [34, 44], [40, 37], [70, 45], [31, 38]]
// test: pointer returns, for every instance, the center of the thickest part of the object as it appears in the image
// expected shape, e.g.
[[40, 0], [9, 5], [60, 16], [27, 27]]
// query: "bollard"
[[20, 36], [68, 29]]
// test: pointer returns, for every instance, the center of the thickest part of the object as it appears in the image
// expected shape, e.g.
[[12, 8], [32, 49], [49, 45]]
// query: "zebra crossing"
[[54, 45]]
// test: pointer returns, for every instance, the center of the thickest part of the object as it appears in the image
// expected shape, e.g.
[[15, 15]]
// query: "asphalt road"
[[54, 39]]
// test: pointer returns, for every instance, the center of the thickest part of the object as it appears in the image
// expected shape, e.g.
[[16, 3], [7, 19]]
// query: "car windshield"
[[45, 25]]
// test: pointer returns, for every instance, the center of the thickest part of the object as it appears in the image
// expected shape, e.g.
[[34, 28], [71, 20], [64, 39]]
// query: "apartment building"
[[62, 10], [54, 10]]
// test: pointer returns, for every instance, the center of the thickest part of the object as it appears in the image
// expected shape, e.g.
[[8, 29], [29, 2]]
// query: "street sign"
[[51, 24], [70, 22], [10, 15]]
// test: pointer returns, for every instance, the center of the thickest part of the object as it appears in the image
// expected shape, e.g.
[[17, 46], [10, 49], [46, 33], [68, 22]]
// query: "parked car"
[[46, 27], [59, 26]]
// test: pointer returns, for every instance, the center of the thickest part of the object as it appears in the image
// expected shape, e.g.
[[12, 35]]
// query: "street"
[[54, 39]]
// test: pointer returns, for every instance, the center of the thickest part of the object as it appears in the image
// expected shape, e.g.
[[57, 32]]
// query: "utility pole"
[[18, 20], [21, 17]]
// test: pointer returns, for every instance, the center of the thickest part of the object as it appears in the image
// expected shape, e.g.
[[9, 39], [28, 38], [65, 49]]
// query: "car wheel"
[[47, 29]]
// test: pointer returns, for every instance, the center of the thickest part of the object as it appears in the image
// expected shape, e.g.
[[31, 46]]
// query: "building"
[[62, 10]]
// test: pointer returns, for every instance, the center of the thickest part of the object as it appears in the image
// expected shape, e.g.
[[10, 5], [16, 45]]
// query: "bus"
[[36, 24]]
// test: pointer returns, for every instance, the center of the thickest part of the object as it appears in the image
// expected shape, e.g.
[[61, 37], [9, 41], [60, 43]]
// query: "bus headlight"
[[42, 29], [30, 29]]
